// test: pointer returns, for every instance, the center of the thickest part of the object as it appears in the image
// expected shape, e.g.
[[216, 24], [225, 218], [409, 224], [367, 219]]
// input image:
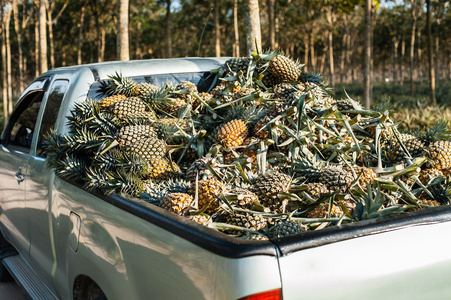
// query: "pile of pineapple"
[[265, 153]]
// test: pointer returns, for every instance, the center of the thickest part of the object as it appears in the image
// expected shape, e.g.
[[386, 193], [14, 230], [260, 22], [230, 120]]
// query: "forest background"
[[328, 36]]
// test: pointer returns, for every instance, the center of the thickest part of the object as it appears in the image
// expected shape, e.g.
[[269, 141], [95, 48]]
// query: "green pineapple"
[[268, 186], [246, 220], [287, 228], [284, 68]]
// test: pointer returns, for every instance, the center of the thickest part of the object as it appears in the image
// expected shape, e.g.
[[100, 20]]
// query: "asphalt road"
[[11, 291]]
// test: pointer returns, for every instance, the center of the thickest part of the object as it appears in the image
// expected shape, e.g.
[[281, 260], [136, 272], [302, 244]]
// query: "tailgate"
[[404, 258]]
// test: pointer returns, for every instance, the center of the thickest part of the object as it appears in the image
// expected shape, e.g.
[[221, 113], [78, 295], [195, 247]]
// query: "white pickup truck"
[[60, 241]]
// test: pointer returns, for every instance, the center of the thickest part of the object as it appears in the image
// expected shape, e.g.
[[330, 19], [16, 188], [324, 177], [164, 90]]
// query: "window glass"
[[52, 107], [203, 80], [23, 120]]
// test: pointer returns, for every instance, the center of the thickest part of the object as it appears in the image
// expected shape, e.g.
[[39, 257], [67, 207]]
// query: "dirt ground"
[[11, 291]]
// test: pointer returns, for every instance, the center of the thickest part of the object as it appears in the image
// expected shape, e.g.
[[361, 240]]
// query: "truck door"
[[15, 151], [39, 189]]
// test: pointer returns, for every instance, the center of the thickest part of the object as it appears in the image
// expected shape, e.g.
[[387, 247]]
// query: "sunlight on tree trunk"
[[43, 64], [430, 53], [122, 30], [80, 35], [271, 4], [236, 43], [254, 39], [168, 29], [367, 56], [217, 31]]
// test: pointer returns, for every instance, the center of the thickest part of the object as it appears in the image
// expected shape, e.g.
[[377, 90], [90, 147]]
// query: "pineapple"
[[428, 174], [184, 90], [283, 90], [287, 228], [200, 169], [149, 148], [208, 192], [322, 211], [268, 186], [413, 145], [316, 190], [241, 197], [162, 169], [246, 220], [177, 203], [145, 88], [284, 68], [128, 107], [201, 219], [235, 65], [440, 153], [110, 100], [367, 175], [336, 178], [129, 135], [232, 134]]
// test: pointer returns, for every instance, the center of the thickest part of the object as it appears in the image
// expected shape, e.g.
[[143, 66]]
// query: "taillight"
[[268, 295]]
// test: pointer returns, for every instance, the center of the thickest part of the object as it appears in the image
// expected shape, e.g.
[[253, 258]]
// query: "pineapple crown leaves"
[[73, 167], [119, 84], [312, 77], [441, 191], [438, 131], [370, 205]]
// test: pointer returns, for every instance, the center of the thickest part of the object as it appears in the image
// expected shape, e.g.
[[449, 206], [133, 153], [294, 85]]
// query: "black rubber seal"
[[204, 237]]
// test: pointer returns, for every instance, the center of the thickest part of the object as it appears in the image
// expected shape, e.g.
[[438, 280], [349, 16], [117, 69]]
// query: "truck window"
[[203, 81], [20, 129], [52, 107]]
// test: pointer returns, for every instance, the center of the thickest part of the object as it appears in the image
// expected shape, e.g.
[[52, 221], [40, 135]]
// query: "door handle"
[[19, 177]]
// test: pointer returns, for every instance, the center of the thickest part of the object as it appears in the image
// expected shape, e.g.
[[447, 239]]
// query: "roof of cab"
[[145, 67]]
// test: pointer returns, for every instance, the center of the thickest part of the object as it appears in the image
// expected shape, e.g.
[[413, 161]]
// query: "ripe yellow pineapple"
[[177, 203], [208, 192], [110, 100], [440, 153], [232, 133]]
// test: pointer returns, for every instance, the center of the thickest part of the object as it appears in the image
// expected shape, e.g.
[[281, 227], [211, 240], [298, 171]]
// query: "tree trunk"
[[395, 58], [271, 23], [367, 55], [80, 35], [51, 44], [123, 51], [253, 39], [102, 44], [8, 62], [168, 29], [312, 51], [419, 56], [217, 31], [18, 29], [436, 52], [36, 47], [43, 64], [306, 52], [401, 63], [430, 53], [415, 4], [236, 44], [330, 20]]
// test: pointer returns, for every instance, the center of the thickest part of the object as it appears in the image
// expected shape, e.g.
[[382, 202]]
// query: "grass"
[[413, 113]]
